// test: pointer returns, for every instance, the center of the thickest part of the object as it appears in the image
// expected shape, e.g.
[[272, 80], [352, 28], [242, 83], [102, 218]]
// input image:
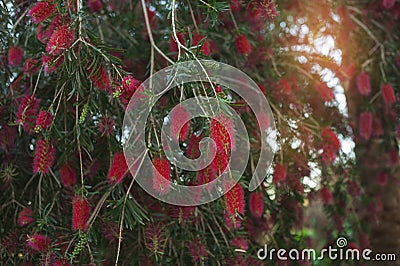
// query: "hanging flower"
[[38, 242], [161, 183], [67, 175], [365, 125], [106, 125], [173, 45], [95, 6], [205, 49], [243, 45], [326, 196], [60, 40], [324, 91], [43, 121], [45, 154], [118, 169], [193, 150], [129, 86], [279, 173], [80, 213], [256, 204], [222, 132], [330, 145], [178, 117], [100, 78], [41, 11], [27, 111], [232, 221], [15, 56], [364, 84], [234, 200], [388, 94], [25, 217]]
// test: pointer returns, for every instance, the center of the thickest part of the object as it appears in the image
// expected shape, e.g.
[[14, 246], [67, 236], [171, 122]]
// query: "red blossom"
[[80, 213], [239, 242], [41, 11], [100, 78], [256, 204], [365, 125], [27, 112], [60, 40], [45, 154], [222, 132], [192, 150], [234, 200], [178, 117], [15, 56], [388, 94], [243, 45], [197, 250], [205, 49], [232, 221], [25, 217], [326, 196], [67, 175], [38, 242], [364, 84], [330, 145], [161, 184], [173, 45], [129, 86], [324, 91], [279, 173], [155, 238], [118, 169], [30, 66], [106, 125], [43, 121], [95, 6]]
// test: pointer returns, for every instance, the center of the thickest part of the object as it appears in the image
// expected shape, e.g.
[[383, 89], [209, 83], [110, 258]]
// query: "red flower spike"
[[45, 154], [242, 45], [365, 125], [25, 217], [205, 49], [178, 117], [38, 242], [193, 150], [326, 196], [155, 238], [118, 169], [382, 178], [100, 79], [95, 6], [232, 221], [239, 242], [256, 204], [330, 145], [43, 121], [197, 250], [41, 11], [388, 94], [161, 184], [173, 45], [67, 175], [15, 56], [80, 213], [223, 136], [279, 173], [234, 200], [364, 84], [128, 87], [27, 111], [324, 91], [60, 40]]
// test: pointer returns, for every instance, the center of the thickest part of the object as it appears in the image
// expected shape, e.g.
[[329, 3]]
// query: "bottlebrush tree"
[[70, 67]]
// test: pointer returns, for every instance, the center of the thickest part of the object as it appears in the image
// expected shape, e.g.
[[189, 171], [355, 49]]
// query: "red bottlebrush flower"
[[388, 4], [43, 121], [279, 173], [128, 87], [234, 200], [232, 221], [60, 40], [326, 196], [95, 6], [364, 84], [173, 45], [223, 136], [67, 175], [206, 175], [235, 5], [192, 150], [365, 125], [324, 91], [377, 129], [41, 11], [106, 125], [50, 65], [330, 145], [100, 78], [268, 9], [239, 242], [178, 117], [205, 49], [394, 155], [15, 56], [161, 184], [388, 94], [118, 169], [242, 45], [80, 213], [155, 238], [382, 178], [25, 217], [220, 161], [256, 204], [38, 242], [27, 111], [30, 66], [45, 154], [197, 250]]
